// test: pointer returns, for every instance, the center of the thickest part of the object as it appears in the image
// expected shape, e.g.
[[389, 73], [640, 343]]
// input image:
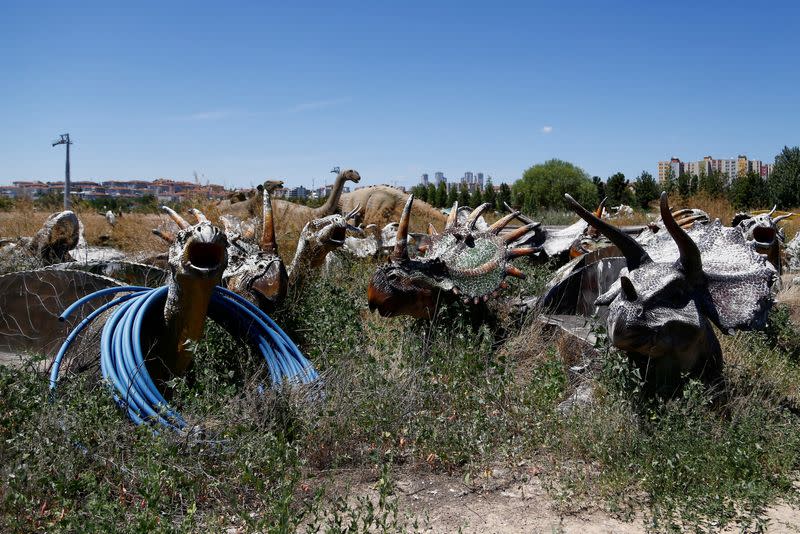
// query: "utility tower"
[[65, 141]]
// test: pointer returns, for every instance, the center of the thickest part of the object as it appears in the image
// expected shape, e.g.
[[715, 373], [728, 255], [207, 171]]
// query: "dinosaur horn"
[[688, 221], [501, 223], [180, 221], [521, 231], [772, 210], [690, 254], [513, 271], [682, 212], [634, 253], [169, 237], [523, 218], [452, 217], [198, 215], [432, 229], [477, 212], [353, 212], [400, 251], [268, 230], [779, 218], [599, 211], [628, 291], [522, 251]]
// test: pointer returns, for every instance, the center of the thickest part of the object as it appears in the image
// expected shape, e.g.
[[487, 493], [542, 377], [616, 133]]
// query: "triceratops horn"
[[199, 215], [599, 211], [628, 291], [501, 223], [779, 218], [634, 253], [477, 212], [772, 210], [690, 254], [452, 217], [180, 221], [400, 251], [268, 229], [353, 212]]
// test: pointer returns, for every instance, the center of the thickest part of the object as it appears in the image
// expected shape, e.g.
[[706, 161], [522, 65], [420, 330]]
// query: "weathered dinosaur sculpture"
[[318, 238], [381, 205], [290, 217], [661, 308], [461, 262], [763, 232], [51, 244]]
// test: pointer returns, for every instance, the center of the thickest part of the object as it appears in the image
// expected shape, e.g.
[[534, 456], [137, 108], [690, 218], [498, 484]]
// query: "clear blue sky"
[[243, 91]]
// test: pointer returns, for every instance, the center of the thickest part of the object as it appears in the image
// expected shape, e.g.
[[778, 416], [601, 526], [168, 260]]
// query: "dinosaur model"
[[51, 244], [763, 232], [459, 262], [661, 308], [290, 217], [381, 205]]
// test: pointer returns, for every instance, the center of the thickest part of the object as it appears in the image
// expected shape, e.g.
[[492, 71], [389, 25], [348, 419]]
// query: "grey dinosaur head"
[[198, 250], [462, 261], [350, 175], [761, 229], [663, 304], [59, 234], [323, 235]]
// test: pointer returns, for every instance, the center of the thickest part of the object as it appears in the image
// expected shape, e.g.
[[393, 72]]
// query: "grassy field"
[[405, 398]]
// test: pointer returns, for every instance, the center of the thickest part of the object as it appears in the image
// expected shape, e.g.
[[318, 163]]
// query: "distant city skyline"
[[240, 93]]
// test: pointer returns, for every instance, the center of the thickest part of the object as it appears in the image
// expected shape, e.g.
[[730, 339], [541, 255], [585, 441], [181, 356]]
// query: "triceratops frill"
[[461, 261]]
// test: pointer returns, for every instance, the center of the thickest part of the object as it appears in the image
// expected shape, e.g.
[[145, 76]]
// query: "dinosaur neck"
[[184, 315], [329, 208]]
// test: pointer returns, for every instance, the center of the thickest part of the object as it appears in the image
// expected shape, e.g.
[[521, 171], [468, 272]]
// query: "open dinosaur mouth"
[[764, 235], [204, 256]]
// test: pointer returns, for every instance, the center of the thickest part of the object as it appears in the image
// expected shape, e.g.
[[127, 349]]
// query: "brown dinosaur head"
[[350, 175], [461, 261], [663, 306], [199, 250], [318, 238], [59, 234], [256, 271]]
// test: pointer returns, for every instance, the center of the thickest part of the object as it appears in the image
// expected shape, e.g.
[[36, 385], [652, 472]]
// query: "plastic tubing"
[[122, 361]]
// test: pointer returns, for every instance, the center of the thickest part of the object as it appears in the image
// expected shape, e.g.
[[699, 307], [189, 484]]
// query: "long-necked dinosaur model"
[[291, 217], [661, 308], [459, 262], [381, 205]]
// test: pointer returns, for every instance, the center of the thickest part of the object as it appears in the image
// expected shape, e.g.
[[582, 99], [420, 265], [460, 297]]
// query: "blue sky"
[[244, 91]]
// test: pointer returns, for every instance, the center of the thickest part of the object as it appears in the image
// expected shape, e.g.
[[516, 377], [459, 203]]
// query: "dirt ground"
[[513, 503]]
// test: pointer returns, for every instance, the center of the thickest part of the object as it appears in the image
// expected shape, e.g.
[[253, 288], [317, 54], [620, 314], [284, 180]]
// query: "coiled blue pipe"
[[122, 359]]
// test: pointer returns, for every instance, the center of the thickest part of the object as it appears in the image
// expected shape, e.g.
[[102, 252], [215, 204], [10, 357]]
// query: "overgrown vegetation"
[[401, 395]]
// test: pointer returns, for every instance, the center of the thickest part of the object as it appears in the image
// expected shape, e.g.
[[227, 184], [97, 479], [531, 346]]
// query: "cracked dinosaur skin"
[[661, 308], [51, 244], [460, 262]]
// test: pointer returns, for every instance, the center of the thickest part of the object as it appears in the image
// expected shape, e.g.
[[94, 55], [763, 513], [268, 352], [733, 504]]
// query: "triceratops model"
[[51, 244], [461, 261], [661, 309]]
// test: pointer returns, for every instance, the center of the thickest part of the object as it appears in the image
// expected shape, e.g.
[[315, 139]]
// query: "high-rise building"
[[479, 178], [438, 177], [425, 179]]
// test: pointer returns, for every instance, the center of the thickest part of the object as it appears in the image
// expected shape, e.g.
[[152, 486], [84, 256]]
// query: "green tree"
[[543, 186], [431, 195], [784, 180], [646, 189], [452, 196], [489, 195], [669, 183], [748, 191], [600, 185], [684, 185], [505, 195], [463, 195], [713, 184], [441, 195], [420, 191], [476, 199], [617, 190]]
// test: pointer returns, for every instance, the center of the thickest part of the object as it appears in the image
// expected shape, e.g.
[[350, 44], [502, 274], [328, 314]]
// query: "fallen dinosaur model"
[[461, 262], [51, 244], [670, 292]]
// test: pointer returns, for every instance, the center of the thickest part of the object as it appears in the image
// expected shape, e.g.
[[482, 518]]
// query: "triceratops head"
[[662, 307], [461, 260]]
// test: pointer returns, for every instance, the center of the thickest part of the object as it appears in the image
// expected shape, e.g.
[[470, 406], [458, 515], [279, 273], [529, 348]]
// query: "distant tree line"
[[442, 196]]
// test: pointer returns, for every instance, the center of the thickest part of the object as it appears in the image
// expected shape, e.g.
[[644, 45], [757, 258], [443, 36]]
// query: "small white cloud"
[[320, 104], [547, 129]]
